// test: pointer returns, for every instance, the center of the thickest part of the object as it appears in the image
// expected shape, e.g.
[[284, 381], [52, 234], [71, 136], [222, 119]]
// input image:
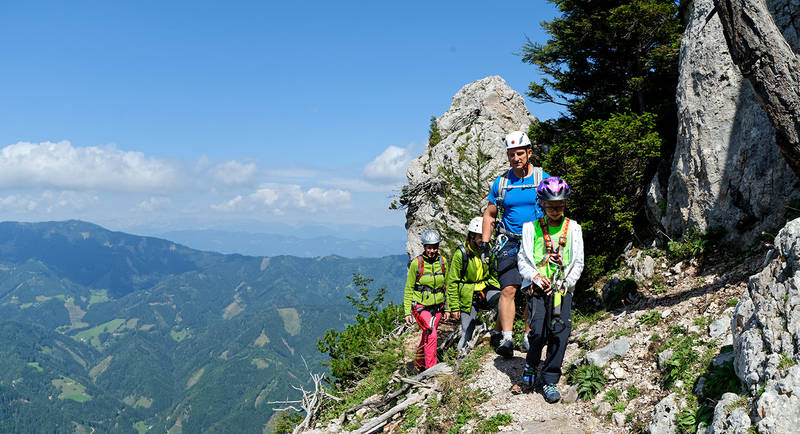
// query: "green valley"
[[114, 332]]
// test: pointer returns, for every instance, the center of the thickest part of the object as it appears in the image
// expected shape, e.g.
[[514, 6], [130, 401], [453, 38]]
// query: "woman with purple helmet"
[[550, 263]]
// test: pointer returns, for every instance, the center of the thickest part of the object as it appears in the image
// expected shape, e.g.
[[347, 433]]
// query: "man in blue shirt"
[[513, 198]]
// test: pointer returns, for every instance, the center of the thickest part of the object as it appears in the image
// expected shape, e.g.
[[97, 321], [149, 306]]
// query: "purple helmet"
[[553, 188]]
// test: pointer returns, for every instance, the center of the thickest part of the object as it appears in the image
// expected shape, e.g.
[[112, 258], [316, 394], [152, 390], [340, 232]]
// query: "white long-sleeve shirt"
[[527, 266]]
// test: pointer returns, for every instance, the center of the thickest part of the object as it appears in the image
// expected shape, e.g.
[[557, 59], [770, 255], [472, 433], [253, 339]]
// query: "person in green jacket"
[[424, 297], [470, 285]]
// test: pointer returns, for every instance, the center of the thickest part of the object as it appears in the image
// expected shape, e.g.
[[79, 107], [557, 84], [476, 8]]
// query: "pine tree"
[[467, 182]]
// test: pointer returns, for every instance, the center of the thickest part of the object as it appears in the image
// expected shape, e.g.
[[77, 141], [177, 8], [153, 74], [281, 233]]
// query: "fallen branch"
[[377, 422], [310, 403]]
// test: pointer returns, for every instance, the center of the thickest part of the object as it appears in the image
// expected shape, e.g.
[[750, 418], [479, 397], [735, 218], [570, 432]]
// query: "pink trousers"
[[426, 350]]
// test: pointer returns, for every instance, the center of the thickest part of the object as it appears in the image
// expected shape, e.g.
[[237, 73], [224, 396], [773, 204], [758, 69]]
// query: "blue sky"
[[154, 115]]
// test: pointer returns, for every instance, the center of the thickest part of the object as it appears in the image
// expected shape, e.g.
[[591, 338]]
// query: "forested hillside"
[[116, 333]]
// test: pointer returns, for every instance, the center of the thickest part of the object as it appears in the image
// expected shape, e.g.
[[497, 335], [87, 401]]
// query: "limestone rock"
[[729, 417], [618, 418], [663, 358], [663, 420], [604, 408], [726, 171], [480, 116], [779, 405], [766, 322], [601, 357], [766, 334], [719, 328], [571, 395], [642, 266]]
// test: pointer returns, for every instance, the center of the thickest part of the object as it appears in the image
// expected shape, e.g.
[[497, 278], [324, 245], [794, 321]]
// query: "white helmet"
[[476, 225], [430, 237], [517, 139]]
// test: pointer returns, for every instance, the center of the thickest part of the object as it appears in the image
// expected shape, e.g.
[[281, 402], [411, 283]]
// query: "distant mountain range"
[[297, 243], [104, 331]]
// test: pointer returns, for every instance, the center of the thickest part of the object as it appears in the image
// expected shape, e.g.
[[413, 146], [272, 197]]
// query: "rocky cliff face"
[[727, 171], [481, 114], [766, 337]]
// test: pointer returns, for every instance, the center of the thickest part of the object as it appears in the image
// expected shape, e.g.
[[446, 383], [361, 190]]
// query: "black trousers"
[[555, 336]]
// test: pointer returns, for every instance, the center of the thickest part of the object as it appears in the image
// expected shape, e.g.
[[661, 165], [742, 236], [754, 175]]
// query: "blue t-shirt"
[[521, 204]]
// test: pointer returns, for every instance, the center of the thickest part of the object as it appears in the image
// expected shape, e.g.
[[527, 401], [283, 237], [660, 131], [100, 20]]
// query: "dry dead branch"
[[310, 403]]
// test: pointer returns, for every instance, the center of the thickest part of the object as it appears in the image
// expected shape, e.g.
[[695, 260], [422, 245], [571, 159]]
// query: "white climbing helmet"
[[517, 139], [430, 237], [476, 225]]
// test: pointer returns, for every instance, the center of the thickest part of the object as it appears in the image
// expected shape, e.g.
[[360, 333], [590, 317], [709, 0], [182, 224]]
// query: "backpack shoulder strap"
[[463, 262], [537, 175], [420, 267], [501, 189], [441, 263]]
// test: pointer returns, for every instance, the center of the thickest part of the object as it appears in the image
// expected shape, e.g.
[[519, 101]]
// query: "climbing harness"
[[416, 310], [425, 288]]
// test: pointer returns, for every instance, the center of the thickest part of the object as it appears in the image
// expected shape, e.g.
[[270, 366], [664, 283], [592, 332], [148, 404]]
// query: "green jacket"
[[422, 292], [476, 278]]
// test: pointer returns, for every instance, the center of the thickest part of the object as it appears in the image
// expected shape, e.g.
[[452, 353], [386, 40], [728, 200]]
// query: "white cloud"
[[48, 202], [266, 196], [230, 205], [154, 203], [16, 203], [61, 165], [390, 165], [234, 172], [279, 197], [317, 197]]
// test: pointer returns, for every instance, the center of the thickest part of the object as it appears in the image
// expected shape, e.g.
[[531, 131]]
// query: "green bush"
[[590, 380], [354, 350], [612, 395], [694, 244], [679, 366], [650, 319], [605, 163], [721, 380], [494, 423], [688, 419]]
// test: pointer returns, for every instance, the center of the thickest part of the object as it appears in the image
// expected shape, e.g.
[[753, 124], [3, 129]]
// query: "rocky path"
[[530, 412], [700, 303]]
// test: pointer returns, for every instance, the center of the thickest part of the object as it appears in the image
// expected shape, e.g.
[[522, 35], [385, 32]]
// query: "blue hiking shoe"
[[551, 394], [528, 375]]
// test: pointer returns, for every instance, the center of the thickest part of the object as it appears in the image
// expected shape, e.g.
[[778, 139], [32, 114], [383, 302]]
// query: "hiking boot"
[[551, 394], [525, 345], [528, 375], [505, 349], [495, 338]]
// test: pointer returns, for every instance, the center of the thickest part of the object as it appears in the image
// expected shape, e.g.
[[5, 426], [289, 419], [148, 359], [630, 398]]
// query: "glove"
[[486, 252]]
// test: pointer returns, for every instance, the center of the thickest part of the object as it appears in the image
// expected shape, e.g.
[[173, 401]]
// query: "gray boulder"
[[601, 357], [719, 328], [726, 170], [729, 416], [663, 420], [480, 116]]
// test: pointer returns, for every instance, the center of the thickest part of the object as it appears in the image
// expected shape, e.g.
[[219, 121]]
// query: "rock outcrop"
[[480, 116], [766, 336], [727, 171]]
